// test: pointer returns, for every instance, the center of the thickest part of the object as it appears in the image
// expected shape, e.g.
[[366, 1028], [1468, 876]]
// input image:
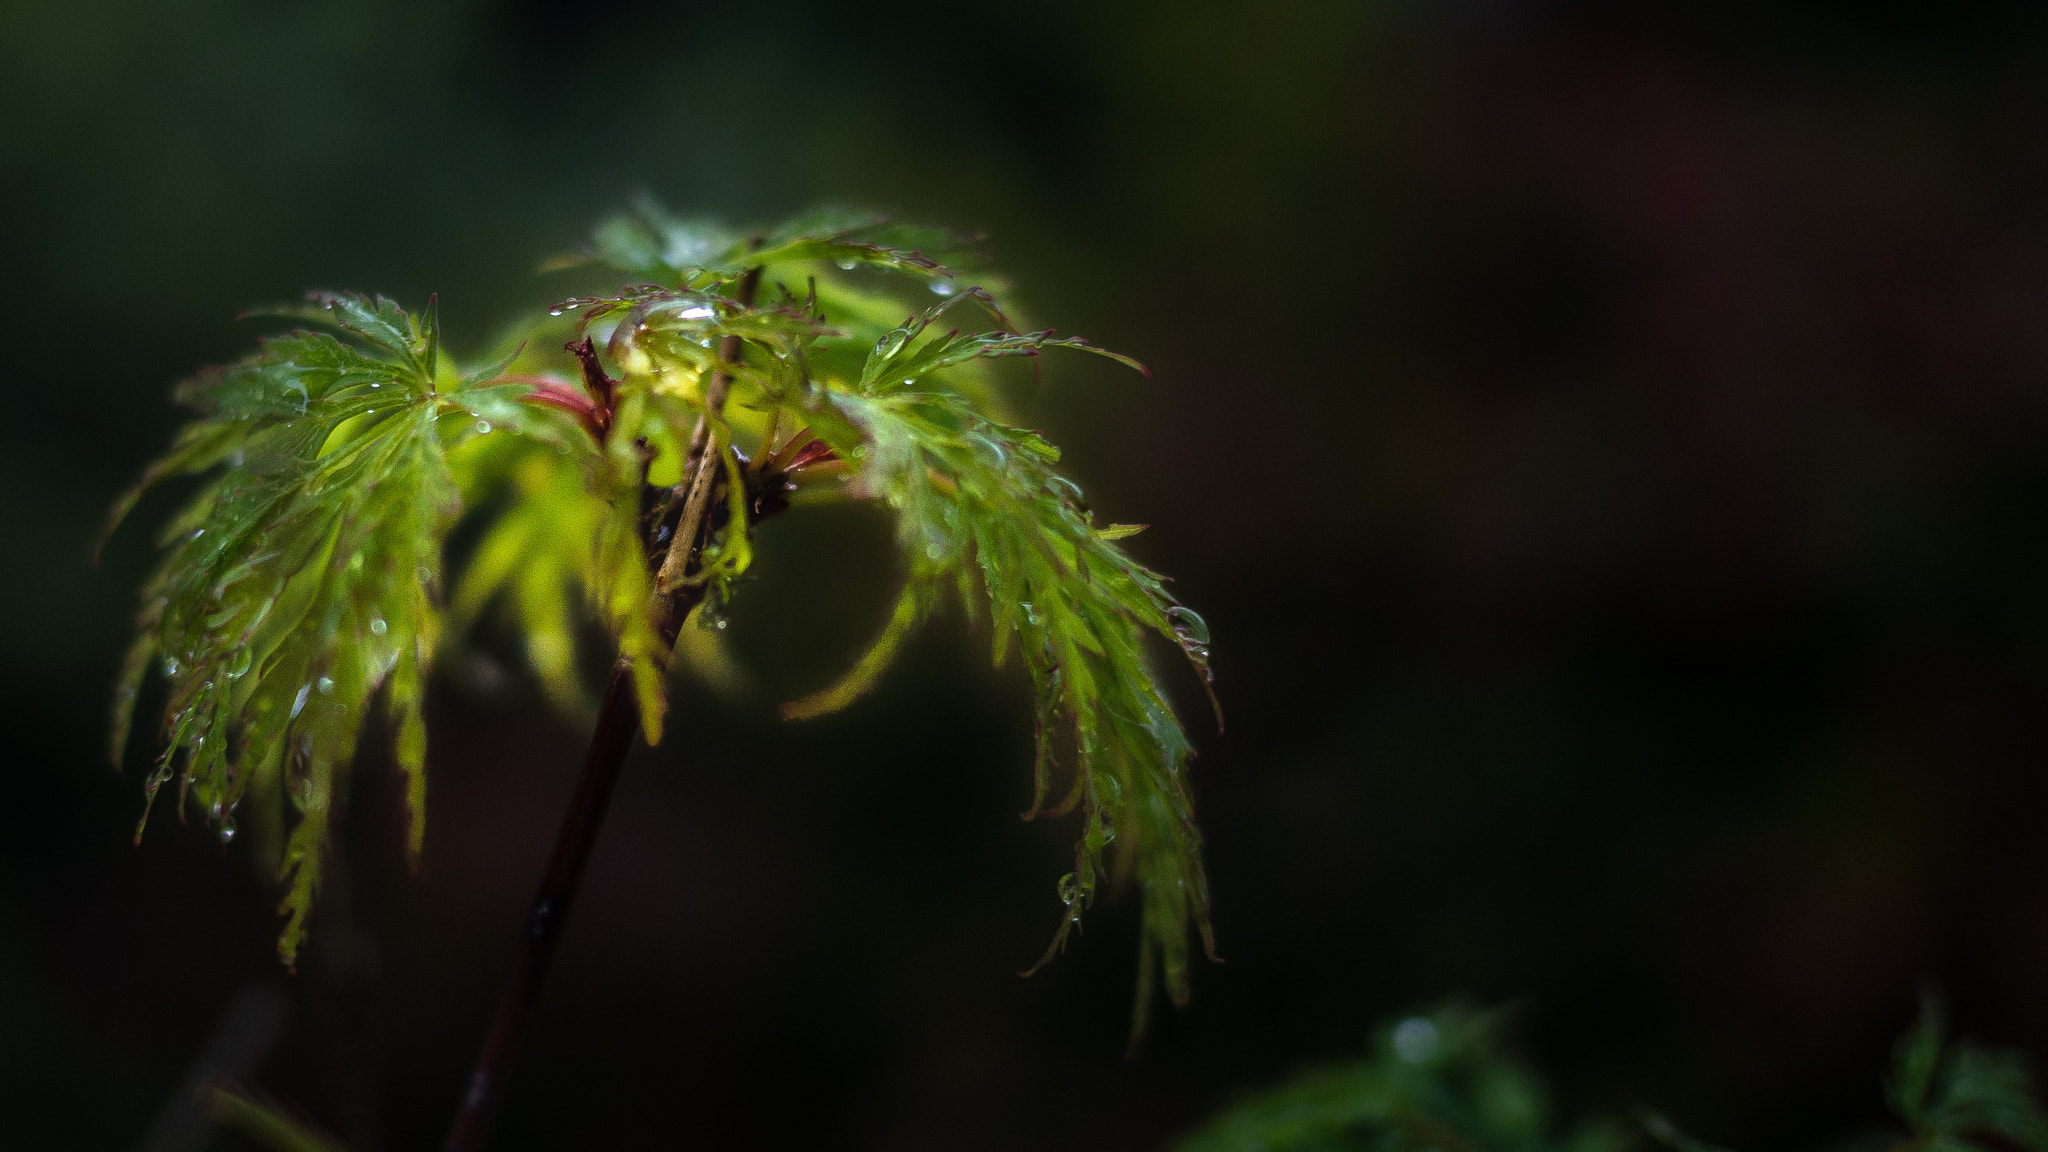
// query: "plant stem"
[[618, 719]]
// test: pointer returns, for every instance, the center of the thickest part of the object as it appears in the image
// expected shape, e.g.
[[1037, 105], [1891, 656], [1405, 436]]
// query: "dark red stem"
[[618, 721]]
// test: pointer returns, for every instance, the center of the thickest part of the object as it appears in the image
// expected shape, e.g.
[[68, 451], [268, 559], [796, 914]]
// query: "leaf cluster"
[[616, 459]]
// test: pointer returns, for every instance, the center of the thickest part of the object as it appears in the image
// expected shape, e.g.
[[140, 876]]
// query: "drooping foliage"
[[300, 582], [641, 436]]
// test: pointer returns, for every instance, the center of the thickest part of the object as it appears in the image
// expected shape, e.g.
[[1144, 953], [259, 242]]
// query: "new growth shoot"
[[625, 449]]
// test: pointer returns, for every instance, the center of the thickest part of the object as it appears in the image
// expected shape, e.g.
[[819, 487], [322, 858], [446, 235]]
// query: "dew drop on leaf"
[[326, 685], [1415, 1040], [377, 626], [1191, 629], [989, 448], [483, 426]]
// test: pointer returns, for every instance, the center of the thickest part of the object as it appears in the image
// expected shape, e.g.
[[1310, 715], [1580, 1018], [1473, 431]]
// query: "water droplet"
[[1191, 629], [197, 533], [170, 665], [326, 685], [720, 623], [377, 626], [240, 664], [227, 830], [846, 265], [944, 287], [482, 426], [1030, 614], [990, 448], [700, 312], [1415, 1040], [374, 384], [299, 701], [554, 311]]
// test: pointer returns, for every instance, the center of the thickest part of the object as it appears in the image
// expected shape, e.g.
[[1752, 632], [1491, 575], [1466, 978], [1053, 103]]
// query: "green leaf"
[[300, 581], [1914, 1064], [980, 511], [898, 360], [262, 1122], [536, 561]]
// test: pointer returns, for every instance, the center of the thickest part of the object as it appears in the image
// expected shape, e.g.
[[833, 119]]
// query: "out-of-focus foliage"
[[1438, 1082], [1963, 1097], [751, 371], [1443, 1082], [264, 1123]]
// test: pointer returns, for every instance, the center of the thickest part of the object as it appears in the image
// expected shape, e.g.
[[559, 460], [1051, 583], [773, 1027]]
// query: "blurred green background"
[[1607, 443]]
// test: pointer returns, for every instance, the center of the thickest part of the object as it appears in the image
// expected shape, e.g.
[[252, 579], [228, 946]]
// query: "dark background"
[[1607, 445]]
